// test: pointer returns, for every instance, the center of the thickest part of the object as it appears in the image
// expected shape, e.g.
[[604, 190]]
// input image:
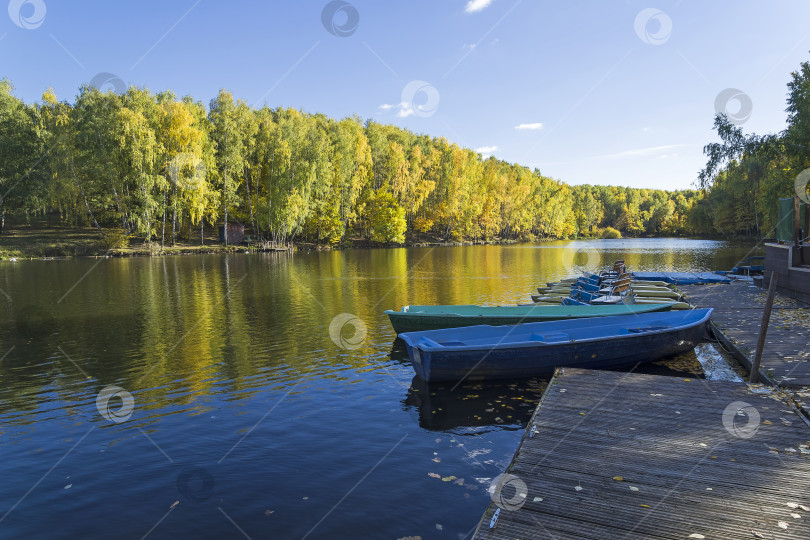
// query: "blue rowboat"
[[535, 349]]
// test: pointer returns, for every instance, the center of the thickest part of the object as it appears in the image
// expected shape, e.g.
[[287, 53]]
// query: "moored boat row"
[[603, 320]]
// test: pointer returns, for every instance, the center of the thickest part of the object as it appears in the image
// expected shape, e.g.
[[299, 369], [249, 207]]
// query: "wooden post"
[[766, 319]]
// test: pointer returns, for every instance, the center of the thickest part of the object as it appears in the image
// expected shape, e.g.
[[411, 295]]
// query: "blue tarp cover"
[[682, 278]]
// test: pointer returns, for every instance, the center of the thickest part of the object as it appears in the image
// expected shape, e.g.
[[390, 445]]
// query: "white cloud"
[[486, 150], [404, 110], [642, 151], [534, 127], [474, 6]]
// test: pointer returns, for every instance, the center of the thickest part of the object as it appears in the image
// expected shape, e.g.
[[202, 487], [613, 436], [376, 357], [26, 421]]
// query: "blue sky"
[[619, 92]]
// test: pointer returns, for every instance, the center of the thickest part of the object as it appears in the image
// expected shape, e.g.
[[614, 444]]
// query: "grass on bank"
[[25, 241]]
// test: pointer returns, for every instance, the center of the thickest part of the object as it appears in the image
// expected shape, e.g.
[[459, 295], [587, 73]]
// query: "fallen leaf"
[[796, 516], [68, 486], [619, 478], [439, 527], [175, 503], [448, 478], [793, 505], [537, 499], [688, 380], [644, 505], [782, 524], [755, 533], [805, 508], [434, 475], [578, 488], [696, 535], [633, 488], [437, 459], [268, 512], [767, 423]]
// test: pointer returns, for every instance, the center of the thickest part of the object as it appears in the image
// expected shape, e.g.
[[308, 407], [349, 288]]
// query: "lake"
[[264, 395]]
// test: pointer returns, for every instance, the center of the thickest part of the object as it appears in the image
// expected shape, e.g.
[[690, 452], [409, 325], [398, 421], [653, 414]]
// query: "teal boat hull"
[[420, 318]]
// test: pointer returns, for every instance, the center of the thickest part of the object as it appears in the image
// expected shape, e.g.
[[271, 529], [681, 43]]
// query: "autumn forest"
[[158, 169]]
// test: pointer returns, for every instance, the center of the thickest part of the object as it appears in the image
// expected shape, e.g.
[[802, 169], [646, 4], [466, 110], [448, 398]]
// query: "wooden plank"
[[665, 437], [738, 311]]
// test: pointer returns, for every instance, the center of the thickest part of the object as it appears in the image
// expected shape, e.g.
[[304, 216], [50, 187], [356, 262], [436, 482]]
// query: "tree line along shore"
[[148, 171]]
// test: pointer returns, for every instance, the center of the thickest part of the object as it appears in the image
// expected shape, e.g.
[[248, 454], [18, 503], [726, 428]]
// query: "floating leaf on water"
[[708, 489], [537, 499], [619, 478], [688, 380], [767, 423], [644, 505], [793, 505], [755, 533], [448, 478], [696, 535], [805, 508], [703, 445], [434, 475], [439, 527], [304, 498], [268, 512], [68, 486], [437, 459], [582, 413], [175, 503], [578, 488], [633, 488], [782, 524], [795, 515]]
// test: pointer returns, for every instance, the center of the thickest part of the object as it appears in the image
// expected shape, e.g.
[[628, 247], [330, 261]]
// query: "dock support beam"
[[766, 319]]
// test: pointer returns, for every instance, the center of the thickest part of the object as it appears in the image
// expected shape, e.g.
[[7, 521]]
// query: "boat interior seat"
[[551, 337], [428, 342], [652, 326]]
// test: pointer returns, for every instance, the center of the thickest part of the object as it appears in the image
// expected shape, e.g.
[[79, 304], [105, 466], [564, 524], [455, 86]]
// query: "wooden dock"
[[738, 314], [622, 455]]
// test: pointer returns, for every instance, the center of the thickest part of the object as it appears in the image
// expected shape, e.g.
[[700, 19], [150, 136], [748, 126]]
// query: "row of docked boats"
[[468, 342], [612, 287]]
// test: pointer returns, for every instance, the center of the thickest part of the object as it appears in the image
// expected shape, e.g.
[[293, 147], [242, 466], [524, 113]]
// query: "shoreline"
[[53, 244]]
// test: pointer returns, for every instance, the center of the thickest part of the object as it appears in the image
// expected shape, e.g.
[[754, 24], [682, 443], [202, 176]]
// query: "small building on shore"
[[789, 256], [236, 233]]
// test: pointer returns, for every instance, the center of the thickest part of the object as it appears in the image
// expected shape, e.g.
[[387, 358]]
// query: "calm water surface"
[[248, 418]]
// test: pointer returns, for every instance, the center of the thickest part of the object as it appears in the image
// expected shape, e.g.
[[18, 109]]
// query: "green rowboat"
[[417, 318]]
